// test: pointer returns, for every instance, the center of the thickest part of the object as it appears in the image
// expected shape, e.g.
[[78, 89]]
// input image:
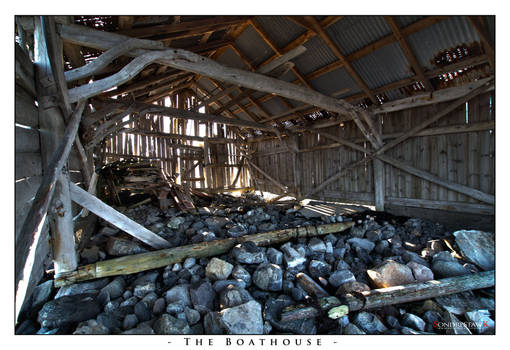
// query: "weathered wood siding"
[[466, 158]]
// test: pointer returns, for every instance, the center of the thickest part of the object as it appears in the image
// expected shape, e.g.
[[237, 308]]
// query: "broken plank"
[[119, 220]]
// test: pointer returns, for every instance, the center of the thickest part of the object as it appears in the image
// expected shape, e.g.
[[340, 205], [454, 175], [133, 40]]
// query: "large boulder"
[[202, 296], [168, 324], [68, 310], [218, 269], [390, 273], [268, 277], [477, 247], [243, 319]]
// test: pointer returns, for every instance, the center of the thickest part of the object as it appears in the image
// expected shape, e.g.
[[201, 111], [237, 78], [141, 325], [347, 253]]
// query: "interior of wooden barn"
[[254, 174]]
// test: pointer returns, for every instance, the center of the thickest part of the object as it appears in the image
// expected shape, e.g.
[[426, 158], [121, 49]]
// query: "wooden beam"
[[408, 52], [336, 50], [461, 207], [437, 96], [117, 219], [152, 260], [267, 176], [192, 28], [181, 137], [379, 298], [478, 23]]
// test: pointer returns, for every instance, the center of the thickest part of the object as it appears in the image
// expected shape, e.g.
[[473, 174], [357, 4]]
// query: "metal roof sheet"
[[280, 29], [383, 66], [231, 59], [447, 34], [404, 21], [352, 33], [253, 46], [335, 81], [316, 56]]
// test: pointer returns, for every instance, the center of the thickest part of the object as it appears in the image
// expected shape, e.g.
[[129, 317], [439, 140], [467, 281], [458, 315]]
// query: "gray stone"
[[192, 315], [392, 322], [342, 265], [444, 268], [272, 311], [215, 223], [212, 323], [268, 277], [390, 273], [413, 321], [115, 288], [142, 289], [481, 321], [90, 255], [189, 262], [82, 288], [421, 273], [42, 293], [240, 273], [127, 294], [237, 231], [68, 310], [443, 255], [108, 231], [178, 293], [91, 327], [141, 329], [243, 319], [248, 253], [130, 321], [266, 226], [408, 256], [274, 256], [316, 246], [329, 248], [168, 324], [352, 329], [175, 307], [176, 267], [120, 247], [350, 287], [149, 299], [460, 303], [129, 302], [318, 269], [298, 294], [218, 286], [369, 323], [362, 243], [175, 222], [294, 261], [146, 277], [218, 269], [477, 247], [159, 306], [431, 316], [358, 231], [232, 296], [202, 296], [337, 278], [142, 311]]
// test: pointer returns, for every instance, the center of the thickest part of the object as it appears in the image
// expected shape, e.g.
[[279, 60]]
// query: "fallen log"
[[156, 259], [377, 298]]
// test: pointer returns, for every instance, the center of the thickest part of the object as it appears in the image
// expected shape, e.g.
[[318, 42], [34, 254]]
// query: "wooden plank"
[[119, 220], [146, 261], [442, 95], [476, 208], [27, 165]]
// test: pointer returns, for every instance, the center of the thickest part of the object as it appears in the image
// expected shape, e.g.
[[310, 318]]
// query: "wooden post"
[[152, 260]]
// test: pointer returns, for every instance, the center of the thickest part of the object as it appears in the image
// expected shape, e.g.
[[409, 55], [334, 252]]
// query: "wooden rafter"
[[338, 53], [479, 24], [404, 45]]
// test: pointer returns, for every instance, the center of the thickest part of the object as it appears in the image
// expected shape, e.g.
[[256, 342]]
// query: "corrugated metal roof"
[[253, 46], [335, 81], [316, 56], [280, 29], [352, 33], [274, 106], [491, 25], [383, 66], [231, 59], [447, 34], [404, 21]]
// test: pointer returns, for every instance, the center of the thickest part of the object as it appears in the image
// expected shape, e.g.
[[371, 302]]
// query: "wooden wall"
[[146, 137], [467, 158]]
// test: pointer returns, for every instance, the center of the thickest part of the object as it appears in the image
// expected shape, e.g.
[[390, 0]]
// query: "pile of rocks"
[[246, 290]]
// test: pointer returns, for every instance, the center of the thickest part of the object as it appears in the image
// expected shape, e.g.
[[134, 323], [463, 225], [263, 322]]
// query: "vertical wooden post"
[[379, 173], [296, 167]]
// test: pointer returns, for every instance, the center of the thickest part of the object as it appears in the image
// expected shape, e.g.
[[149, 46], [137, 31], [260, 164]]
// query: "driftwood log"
[[153, 260], [377, 298]]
